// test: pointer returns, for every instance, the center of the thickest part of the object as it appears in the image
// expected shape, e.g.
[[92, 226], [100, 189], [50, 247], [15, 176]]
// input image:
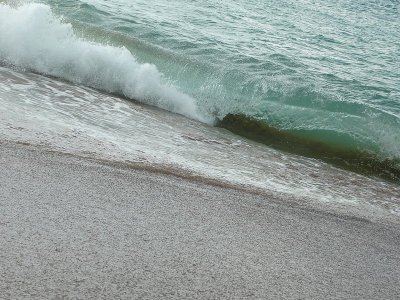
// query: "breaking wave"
[[33, 38]]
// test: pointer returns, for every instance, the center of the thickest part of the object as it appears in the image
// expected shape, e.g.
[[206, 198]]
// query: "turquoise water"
[[326, 71]]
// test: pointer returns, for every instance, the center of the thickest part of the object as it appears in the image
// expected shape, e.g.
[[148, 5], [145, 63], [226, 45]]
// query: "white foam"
[[32, 37]]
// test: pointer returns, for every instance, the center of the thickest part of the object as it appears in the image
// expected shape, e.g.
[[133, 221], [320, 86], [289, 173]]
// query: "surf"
[[33, 38], [95, 48]]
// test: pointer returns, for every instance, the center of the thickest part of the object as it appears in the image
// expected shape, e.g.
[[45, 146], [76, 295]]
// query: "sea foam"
[[33, 38]]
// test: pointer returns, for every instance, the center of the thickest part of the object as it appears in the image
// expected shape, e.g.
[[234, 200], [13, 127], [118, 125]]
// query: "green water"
[[328, 72], [356, 160]]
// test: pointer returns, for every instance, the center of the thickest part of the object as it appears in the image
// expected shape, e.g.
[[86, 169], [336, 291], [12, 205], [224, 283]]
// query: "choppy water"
[[327, 72], [324, 70]]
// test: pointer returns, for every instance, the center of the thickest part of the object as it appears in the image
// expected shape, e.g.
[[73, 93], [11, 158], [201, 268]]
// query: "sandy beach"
[[76, 228]]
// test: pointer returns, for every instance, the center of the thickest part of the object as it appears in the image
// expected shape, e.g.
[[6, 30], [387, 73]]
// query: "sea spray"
[[33, 38]]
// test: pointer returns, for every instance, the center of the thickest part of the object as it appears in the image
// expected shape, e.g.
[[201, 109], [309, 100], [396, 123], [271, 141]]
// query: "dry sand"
[[75, 228]]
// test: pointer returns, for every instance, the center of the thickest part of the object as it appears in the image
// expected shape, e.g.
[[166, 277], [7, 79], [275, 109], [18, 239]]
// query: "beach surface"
[[72, 227]]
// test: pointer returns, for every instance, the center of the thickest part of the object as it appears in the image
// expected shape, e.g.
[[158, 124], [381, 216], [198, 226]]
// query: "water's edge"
[[296, 203]]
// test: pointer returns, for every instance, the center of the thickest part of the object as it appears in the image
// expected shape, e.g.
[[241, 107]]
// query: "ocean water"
[[323, 75]]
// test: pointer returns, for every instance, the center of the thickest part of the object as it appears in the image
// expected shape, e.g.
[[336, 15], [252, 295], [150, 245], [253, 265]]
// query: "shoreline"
[[344, 211], [74, 227], [81, 121]]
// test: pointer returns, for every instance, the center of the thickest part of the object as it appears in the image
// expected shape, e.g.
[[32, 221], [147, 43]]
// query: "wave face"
[[33, 38], [308, 69], [360, 161]]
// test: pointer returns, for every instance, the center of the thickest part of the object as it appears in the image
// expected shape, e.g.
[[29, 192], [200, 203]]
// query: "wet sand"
[[75, 228]]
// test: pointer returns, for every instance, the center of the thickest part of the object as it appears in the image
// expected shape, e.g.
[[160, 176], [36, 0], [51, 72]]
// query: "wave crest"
[[32, 37]]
